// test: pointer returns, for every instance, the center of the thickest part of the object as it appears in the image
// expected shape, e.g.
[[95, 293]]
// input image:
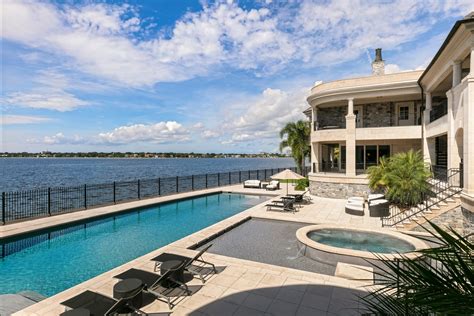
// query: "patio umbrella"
[[287, 174]]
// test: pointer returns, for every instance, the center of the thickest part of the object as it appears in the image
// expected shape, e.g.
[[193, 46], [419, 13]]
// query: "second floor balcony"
[[383, 114]]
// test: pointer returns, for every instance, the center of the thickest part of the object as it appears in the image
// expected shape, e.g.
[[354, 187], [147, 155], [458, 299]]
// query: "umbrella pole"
[[286, 187]]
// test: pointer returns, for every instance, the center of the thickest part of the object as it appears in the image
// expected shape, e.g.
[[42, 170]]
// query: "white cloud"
[[99, 39], [263, 117], [45, 99], [159, 133], [22, 119], [210, 134], [58, 139]]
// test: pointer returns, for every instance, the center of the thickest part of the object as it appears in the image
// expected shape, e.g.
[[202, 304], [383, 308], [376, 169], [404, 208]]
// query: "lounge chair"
[[301, 197], [188, 262], [379, 208], [355, 208], [286, 205], [160, 286], [99, 304], [370, 197], [273, 185]]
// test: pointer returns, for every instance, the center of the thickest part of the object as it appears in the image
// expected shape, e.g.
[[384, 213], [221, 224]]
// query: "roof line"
[[445, 43]]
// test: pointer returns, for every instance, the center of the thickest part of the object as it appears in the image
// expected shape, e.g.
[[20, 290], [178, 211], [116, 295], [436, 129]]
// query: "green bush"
[[403, 177], [302, 184]]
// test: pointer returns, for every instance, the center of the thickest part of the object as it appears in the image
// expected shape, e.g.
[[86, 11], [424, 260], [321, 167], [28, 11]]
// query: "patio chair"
[[188, 262], [99, 304], [379, 208], [273, 185], [355, 208], [301, 197], [286, 205], [161, 286]]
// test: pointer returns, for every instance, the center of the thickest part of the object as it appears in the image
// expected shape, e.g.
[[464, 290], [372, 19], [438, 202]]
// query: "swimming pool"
[[53, 261]]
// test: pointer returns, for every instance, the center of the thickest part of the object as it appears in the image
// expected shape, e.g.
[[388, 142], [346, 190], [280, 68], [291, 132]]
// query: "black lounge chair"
[[299, 198], [161, 286], [286, 205], [100, 305], [188, 262]]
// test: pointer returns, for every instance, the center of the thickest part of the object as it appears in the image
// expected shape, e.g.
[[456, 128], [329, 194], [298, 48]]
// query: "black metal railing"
[[439, 111], [23, 205], [332, 167], [440, 190]]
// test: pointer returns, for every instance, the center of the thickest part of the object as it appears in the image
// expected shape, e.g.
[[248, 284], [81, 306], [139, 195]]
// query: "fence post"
[[114, 194], [229, 178], [258, 174], [218, 179], [177, 185], [265, 173], [240, 176], [3, 207], [85, 196], [206, 180], [249, 174], [138, 189], [49, 201], [159, 186], [192, 182]]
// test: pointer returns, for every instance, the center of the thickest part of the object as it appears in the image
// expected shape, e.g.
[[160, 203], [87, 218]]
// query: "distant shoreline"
[[78, 157]]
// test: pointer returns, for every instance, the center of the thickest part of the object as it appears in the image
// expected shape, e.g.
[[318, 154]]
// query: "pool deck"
[[241, 287]]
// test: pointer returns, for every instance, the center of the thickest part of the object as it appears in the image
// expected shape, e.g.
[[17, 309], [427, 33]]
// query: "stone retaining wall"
[[460, 219], [337, 190]]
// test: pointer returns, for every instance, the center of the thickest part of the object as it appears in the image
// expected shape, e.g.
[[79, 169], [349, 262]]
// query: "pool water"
[[53, 261], [363, 241]]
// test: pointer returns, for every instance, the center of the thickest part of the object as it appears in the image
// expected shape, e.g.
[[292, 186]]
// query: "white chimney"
[[378, 65]]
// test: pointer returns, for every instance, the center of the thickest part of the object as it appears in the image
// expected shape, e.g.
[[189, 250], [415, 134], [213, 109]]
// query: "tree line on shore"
[[47, 154]]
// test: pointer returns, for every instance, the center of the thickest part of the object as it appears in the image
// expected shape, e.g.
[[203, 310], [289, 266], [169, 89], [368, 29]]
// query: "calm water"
[[28, 173], [60, 260], [361, 241]]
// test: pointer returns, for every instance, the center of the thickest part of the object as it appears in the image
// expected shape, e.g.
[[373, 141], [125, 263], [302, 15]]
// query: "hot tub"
[[334, 243]]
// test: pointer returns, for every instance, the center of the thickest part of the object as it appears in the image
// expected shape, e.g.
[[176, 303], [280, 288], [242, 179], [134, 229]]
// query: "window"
[[403, 113], [384, 151]]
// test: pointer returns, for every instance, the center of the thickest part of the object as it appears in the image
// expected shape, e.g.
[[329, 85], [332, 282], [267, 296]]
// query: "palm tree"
[[403, 177], [440, 283], [296, 135]]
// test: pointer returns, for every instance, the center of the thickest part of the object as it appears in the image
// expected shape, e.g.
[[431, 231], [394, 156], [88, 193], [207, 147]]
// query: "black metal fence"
[[42, 202]]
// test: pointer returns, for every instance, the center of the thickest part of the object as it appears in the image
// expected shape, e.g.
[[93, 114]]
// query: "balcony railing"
[[439, 111]]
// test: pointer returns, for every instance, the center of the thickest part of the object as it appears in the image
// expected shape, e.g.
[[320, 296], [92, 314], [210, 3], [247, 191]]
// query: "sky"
[[192, 76]]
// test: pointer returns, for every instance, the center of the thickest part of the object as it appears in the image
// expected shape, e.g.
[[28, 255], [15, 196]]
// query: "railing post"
[[85, 196], [229, 178], [138, 189], [114, 194], [192, 182], [218, 179], [159, 186], [240, 176], [49, 201], [3, 207], [206, 180], [258, 175], [177, 185], [249, 174], [265, 174]]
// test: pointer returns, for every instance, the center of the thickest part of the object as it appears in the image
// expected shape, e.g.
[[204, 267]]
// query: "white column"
[[456, 72], [426, 121], [315, 152], [350, 139], [314, 118], [350, 106]]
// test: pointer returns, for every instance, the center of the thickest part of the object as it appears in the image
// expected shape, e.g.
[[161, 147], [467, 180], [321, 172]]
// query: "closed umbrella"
[[287, 174]]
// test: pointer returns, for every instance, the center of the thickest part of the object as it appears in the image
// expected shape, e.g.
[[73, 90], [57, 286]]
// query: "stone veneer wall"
[[337, 190], [378, 114], [334, 116], [460, 219]]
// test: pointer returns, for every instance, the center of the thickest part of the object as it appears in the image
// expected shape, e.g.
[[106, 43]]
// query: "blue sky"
[[198, 76]]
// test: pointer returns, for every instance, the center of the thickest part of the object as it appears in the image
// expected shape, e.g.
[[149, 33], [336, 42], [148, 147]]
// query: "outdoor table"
[[127, 288], [173, 265], [76, 312]]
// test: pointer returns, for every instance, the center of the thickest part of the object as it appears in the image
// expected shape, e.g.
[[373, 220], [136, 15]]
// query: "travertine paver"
[[243, 287]]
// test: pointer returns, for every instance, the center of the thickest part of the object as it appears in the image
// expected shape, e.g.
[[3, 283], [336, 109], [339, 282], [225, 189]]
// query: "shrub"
[[403, 177], [302, 184]]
